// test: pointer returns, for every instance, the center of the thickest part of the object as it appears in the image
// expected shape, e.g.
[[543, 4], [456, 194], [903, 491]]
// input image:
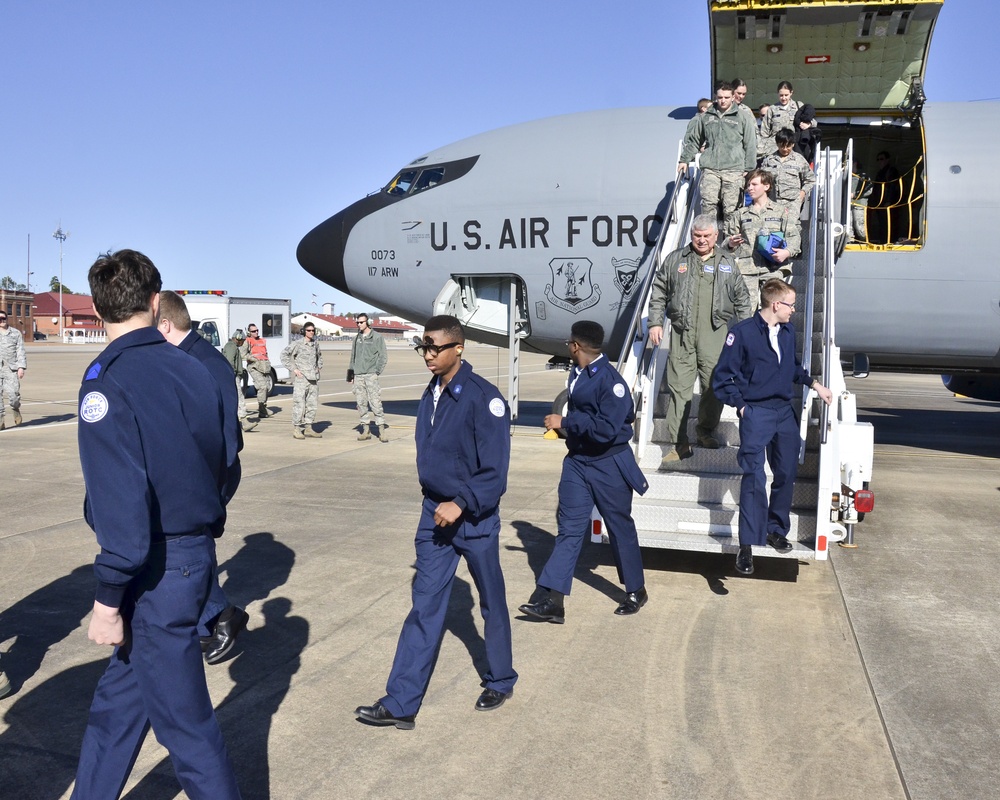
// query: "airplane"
[[563, 213]]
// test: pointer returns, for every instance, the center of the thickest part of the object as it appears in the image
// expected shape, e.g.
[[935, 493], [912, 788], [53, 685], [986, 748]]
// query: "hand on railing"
[[656, 335]]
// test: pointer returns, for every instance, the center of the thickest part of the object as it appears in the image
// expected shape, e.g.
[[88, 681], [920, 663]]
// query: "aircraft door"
[[482, 303]]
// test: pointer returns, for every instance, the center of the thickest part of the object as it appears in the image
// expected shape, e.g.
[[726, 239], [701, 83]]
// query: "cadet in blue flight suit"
[[756, 374], [221, 622], [463, 451], [600, 470], [154, 465]]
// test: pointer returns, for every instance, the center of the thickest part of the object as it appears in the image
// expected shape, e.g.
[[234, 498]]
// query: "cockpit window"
[[402, 182], [411, 180], [428, 179]]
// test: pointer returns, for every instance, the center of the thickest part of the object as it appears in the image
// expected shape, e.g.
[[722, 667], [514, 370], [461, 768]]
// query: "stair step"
[[707, 519], [722, 461], [683, 485], [717, 543]]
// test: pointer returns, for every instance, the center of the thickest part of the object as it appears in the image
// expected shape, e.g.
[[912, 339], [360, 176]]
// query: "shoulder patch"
[[94, 407], [729, 340], [682, 268], [496, 407], [93, 372], [619, 390]]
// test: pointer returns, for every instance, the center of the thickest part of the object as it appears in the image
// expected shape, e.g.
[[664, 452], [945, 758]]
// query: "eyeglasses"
[[3, 319], [783, 303], [434, 349]]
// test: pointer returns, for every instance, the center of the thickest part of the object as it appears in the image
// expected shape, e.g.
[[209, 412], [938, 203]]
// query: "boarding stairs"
[[695, 505]]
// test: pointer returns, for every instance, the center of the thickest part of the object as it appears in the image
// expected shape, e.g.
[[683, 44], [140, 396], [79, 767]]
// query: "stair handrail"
[[805, 353]]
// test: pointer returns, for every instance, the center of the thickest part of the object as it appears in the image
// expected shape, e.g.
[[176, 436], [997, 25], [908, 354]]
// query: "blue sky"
[[213, 135]]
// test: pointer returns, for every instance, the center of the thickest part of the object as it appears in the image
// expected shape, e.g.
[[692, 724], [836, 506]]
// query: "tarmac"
[[875, 674]]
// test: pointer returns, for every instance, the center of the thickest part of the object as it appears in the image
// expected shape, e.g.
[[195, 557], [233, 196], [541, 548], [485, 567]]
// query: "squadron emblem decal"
[[571, 288], [626, 270]]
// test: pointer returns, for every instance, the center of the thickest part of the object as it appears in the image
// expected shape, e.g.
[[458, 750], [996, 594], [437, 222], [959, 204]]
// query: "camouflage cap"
[[238, 334]]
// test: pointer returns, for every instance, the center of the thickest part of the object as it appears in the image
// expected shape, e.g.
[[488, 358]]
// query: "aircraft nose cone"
[[321, 252]]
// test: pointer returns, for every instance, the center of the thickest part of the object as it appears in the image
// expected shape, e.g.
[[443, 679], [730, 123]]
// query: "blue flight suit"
[[599, 470], [463, 451], [154, 464], [750, 377], [220, 369]]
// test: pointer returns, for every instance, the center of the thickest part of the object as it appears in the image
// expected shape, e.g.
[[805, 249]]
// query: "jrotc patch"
[[729, 340], [456, 390], [619, 390], [496, 407], [682, 268], [94, 407]]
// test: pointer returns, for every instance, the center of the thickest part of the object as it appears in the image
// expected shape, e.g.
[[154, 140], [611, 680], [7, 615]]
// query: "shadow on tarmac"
[[974, 433]]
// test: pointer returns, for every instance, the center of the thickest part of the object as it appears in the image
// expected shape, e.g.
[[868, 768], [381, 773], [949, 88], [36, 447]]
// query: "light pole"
[[62, 238]]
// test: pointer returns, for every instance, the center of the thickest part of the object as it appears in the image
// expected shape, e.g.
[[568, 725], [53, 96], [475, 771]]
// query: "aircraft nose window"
[[429, 178], [402, 182]]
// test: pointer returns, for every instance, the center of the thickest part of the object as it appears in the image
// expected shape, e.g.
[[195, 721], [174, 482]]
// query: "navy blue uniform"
[[750, 377], [463, 451], [222, 371], [154, 464], [599, 470]]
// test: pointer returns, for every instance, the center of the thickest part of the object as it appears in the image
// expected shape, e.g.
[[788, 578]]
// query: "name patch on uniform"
[[619, 390], [729, 340], [709, 268], [682, 268], [725, 268], [94, 407], [496, 407], [93, 372]]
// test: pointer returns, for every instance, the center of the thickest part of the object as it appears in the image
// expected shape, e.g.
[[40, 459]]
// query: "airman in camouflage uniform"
[[13, 363], [232, 350], [368, 359], [304, 360], [793, 177], [762, 217]]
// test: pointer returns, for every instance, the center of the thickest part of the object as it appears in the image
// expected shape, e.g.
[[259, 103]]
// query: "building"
[[80, 321], [18, 306]]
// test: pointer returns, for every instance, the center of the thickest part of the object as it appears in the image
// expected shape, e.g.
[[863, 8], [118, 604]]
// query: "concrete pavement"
[[807, 680]]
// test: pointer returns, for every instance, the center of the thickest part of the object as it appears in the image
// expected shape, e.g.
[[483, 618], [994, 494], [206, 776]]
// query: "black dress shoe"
[[779, 543], [378, 714], [633, 602], [547, 610], [491, 698], [223, 639], [744, 561]]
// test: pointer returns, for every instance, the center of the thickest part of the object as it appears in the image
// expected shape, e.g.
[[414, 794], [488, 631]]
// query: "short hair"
[[765, 177], [309, 326], [724, 86], [123, 284], [588, 333], [448, 325], [763, 108], [785, 85], [774, 289], [362, 314], [705, 222], [785, 136], [172, 307], [703, 104]]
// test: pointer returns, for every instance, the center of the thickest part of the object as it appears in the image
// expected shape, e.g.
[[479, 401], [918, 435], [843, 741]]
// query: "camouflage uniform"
[[698, 296], [777, 117], [12, 358], [770, 218], [732, 142], [234, 356], [792, 175], [304, 356], [368, 359], [259, 369]]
